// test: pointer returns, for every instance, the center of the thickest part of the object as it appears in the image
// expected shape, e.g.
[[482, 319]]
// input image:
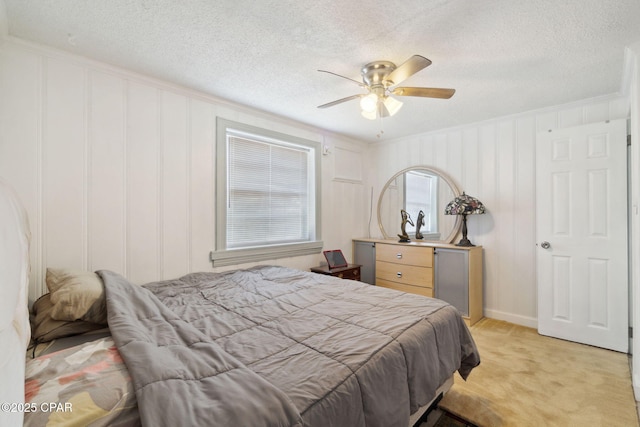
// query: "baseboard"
[[530, 322]]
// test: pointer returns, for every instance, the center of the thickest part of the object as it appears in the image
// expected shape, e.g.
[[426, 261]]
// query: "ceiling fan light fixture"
[[380, 79], [369, 103], [392, 105], [371, 115]]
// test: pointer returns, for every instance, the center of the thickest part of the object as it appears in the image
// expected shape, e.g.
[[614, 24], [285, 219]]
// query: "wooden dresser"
[[405, 268], [445, 271]]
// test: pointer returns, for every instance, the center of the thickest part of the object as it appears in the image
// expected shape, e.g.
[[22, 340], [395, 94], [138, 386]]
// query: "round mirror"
[[414, 190]]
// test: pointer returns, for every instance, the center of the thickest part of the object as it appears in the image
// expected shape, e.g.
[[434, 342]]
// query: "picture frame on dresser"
[[335, 258]]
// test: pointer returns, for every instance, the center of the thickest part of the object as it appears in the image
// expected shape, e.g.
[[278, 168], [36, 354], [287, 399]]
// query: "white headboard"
[[14, 312]]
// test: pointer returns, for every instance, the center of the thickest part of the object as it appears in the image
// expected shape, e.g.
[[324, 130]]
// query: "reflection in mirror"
[[419, 189]]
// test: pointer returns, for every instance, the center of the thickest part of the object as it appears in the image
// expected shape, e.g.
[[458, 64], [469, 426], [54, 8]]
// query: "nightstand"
[[351, 271]]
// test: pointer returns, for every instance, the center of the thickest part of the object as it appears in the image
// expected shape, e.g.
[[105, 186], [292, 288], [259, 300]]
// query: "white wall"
[[4, 21], [495, 162], [117, 170], [632, 84]]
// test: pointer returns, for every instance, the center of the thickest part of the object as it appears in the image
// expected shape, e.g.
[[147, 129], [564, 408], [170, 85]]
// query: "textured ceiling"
[[502, 56]]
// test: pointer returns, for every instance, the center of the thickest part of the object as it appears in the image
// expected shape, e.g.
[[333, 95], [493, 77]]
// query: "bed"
[[265, 346], [14, 315]]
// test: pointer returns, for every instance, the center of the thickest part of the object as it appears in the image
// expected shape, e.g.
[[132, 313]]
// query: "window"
[[421, 195], [267, 197]]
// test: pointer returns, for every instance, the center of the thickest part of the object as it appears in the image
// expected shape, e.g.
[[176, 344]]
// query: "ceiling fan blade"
[[407, 69], [355, 81], [428, 92], [339, 101]]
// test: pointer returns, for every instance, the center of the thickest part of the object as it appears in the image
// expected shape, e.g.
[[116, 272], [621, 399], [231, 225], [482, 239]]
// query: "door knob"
[[545, 245]]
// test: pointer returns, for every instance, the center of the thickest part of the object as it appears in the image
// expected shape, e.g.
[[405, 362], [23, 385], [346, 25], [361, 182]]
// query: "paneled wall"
[[117, 170], [495, 162]]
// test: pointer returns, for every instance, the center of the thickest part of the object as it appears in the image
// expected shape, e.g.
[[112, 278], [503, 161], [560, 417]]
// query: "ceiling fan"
[[380, 79]]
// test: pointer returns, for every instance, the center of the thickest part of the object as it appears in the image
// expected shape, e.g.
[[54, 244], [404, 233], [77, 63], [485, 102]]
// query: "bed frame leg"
[[431, 407]]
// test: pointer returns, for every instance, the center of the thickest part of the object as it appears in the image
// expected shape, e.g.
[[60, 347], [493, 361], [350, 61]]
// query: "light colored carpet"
[[525, 379]]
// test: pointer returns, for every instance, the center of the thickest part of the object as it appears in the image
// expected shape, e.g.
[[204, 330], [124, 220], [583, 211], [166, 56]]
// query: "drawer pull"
[[399, 274], [399, 255]]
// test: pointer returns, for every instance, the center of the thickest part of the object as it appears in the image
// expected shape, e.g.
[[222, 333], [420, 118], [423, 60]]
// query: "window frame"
[[222, 256]]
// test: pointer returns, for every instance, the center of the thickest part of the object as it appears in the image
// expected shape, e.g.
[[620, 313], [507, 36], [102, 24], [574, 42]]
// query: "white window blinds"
[[270, 192], [420, 195]]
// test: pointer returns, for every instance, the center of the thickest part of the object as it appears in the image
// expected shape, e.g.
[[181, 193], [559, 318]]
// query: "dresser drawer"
[[408, 274], [409, 255], [427, 292]]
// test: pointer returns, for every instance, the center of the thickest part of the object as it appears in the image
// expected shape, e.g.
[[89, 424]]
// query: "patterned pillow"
[[45, 329], [88, 385], [76, 295]]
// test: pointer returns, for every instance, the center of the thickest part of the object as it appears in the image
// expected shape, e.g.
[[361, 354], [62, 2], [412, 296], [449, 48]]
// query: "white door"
[[581, 214]]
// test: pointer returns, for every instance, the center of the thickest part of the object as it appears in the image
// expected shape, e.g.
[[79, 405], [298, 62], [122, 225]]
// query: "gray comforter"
[[272, 346]]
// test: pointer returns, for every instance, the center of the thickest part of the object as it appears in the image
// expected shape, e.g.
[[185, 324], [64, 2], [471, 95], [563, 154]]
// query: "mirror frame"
[[454, 188]]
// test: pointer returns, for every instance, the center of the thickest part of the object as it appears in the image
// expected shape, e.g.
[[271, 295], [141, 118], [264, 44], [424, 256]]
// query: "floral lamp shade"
[[464, 205]]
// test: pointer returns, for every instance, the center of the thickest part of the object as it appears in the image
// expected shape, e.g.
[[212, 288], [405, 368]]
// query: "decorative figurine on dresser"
[[404, 237], [419, 224]]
